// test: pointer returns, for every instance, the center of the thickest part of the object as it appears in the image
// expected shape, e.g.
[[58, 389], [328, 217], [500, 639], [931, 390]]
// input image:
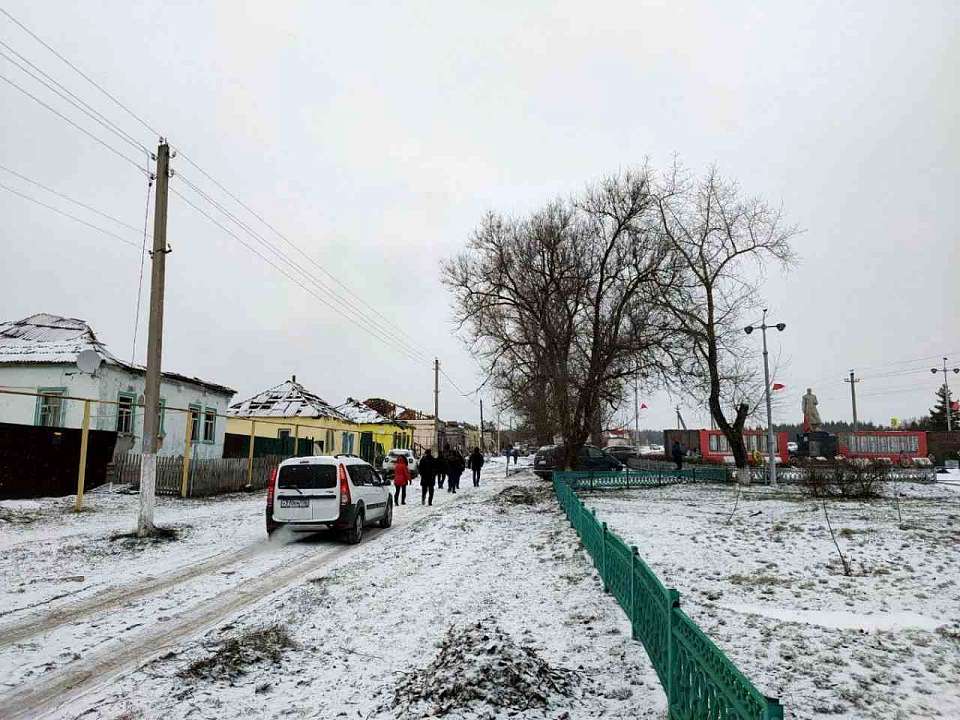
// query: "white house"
[[39, 355]]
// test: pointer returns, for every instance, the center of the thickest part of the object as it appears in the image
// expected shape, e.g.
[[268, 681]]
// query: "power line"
[[80, 72], [71, 98], [285, 258], [283, 271], [72, 123], [287, 240], [69, 199], [143, 256], [68, 215]]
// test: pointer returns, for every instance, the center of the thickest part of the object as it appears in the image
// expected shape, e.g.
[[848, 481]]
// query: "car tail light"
[[271, 486], [345, 498]]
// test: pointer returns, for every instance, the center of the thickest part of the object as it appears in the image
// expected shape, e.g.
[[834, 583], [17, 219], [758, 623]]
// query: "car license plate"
[[294, 502]]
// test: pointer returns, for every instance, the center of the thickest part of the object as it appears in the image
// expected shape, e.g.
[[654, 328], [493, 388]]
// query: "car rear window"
[[307, 477]]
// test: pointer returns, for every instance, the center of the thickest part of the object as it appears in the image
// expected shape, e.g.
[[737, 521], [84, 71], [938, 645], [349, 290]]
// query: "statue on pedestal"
[[811, 416]]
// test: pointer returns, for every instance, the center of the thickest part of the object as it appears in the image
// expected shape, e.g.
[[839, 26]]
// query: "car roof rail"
[[339, 455]]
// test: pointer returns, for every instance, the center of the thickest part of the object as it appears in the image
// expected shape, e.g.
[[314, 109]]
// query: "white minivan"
[[343, 492]]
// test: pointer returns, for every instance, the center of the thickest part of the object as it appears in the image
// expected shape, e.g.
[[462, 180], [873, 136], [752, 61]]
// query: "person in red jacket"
[[401, 478]]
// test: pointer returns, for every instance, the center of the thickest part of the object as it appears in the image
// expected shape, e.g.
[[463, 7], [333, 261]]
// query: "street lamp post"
[[946, 391], [771, 447]]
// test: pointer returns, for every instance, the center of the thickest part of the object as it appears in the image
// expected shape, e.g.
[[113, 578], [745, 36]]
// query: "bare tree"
[[558, 305], [721, 241]]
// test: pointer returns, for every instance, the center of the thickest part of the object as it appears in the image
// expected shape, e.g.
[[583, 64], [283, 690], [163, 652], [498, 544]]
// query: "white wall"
[[22, 409], [109, 382]]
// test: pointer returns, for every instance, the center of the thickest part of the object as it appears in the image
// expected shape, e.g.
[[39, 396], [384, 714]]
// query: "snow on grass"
[[766, 584], [488, 564]]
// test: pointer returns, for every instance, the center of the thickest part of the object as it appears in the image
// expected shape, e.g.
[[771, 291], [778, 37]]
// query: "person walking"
[[401, 478], [455, 468], [677, 453], [442, 466], [475, 463], [428, 476], [516, 457]]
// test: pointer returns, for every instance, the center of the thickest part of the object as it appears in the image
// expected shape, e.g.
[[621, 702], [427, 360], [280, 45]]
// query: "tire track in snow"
[[39, 623], [62, 687]]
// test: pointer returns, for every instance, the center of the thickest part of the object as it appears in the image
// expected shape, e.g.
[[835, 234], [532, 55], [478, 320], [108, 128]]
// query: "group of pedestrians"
[[444, 468]]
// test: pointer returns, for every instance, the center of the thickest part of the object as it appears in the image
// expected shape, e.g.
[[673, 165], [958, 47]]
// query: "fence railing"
[[699, 680], [645, 477], [212, 476]]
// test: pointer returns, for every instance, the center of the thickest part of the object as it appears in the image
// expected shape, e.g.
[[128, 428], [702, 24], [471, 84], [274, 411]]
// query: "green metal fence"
[[700, 681], [603, 479]]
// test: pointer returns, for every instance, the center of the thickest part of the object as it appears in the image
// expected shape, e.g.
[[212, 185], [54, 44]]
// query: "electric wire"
[[72, 123], [69, 199], [289, 276], [71, 98], [106, 123], [389, 331], [286, 239], [68, 215], [143, 256], [80, 72]]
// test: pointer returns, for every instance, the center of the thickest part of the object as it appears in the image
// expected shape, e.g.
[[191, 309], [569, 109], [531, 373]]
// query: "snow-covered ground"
[[482, 601], [766, 584]]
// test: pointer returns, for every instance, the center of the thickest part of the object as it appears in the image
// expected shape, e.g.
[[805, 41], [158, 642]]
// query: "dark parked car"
[[550, 458], [623, 453]]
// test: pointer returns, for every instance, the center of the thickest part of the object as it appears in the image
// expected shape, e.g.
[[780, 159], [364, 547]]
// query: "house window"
[[161, 413], [209, 425], [328, 443], [126, 402], [347, 446], [50, 407], [195, 411]]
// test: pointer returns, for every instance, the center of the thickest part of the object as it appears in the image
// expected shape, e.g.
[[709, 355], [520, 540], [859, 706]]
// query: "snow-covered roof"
[[363, 414], [46, 339], [288, 399]]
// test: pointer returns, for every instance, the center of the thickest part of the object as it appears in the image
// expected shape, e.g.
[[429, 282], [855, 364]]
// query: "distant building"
[[39, 355], [288, 419]]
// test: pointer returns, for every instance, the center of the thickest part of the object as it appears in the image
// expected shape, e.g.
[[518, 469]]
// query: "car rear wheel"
[[355, 534], [387, 519]]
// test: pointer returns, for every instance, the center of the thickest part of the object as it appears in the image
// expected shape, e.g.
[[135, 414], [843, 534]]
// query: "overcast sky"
[[375, 136]]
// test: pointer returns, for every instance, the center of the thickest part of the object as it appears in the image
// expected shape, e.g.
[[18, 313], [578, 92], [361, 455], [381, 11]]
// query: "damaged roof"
[[46, 338], [288, 399]]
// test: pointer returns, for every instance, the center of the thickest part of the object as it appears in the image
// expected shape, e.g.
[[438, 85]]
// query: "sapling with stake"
[[846, 566]]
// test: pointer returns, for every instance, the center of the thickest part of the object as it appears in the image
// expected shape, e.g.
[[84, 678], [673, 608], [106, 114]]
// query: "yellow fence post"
[[187, 447], [253, 426], [84, 438]]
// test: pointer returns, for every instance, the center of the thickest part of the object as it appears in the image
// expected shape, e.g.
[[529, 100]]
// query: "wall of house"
[[109, 382], [22, 409], [173, 394], [314, 428]]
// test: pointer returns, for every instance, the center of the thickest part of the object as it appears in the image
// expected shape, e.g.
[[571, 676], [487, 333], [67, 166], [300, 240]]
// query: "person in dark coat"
[[475, 463], [677, 453], [455, 468], [442, 467], [428, 476]]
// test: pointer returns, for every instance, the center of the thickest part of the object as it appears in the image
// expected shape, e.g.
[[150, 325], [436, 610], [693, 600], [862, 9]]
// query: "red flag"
[[643, 406], [778, 386]]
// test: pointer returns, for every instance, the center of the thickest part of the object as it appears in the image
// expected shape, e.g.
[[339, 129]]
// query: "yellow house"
[[289, 419], [384, 434]]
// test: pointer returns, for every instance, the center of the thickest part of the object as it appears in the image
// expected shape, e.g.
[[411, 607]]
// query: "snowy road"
[[358, 616]]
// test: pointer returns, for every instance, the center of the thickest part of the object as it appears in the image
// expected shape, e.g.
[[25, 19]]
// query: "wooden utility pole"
[[151, 395], [436, 404]]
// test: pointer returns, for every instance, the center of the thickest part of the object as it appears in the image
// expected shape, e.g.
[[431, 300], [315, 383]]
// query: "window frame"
[[209, 412], [195, 410], [43, 393], [132, 397]]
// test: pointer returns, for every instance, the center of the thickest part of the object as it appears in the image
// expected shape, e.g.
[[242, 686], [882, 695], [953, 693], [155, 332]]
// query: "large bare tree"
[[558, 305], [721, 242]]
